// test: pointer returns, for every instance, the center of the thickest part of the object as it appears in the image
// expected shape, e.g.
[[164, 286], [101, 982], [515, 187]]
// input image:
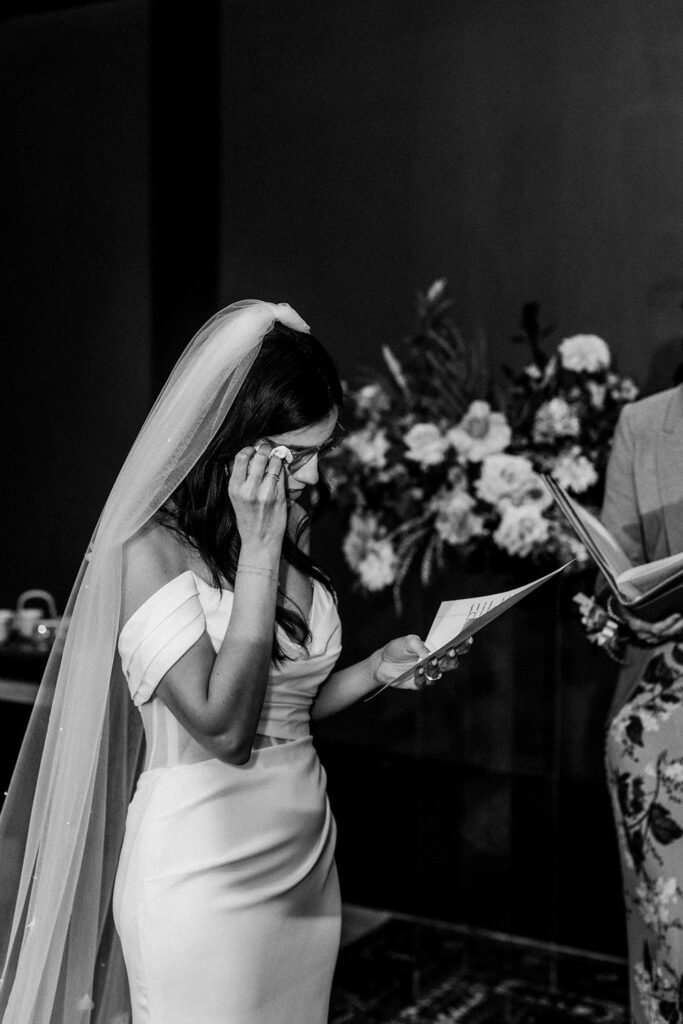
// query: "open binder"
[[651, 591]]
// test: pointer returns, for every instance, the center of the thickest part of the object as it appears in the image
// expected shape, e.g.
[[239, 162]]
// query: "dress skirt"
[[226, 899], [645, 770]]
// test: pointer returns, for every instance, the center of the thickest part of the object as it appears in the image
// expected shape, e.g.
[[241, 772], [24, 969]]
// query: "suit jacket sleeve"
[[620, 510]]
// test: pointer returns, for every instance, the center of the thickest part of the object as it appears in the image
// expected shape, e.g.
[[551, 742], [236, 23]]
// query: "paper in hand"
[[456, 621]]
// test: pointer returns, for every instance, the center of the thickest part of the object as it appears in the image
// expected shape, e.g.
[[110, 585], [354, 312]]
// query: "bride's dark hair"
[[292, 383]]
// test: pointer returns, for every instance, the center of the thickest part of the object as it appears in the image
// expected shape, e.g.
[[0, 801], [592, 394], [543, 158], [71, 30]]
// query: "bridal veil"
[[63, 821]]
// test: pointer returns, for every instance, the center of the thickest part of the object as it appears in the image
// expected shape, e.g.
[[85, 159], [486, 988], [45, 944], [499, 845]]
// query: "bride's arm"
[[344, 688], [381, 668], [218, 697]]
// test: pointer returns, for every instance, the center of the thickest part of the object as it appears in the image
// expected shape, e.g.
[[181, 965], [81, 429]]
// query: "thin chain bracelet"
[[257, 571]]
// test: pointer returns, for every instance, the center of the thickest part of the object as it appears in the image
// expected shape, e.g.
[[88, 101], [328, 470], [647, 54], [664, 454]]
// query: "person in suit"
[[643, 508]]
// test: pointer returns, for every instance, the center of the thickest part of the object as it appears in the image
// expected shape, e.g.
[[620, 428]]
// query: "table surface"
[[18, 691], [21, 667]]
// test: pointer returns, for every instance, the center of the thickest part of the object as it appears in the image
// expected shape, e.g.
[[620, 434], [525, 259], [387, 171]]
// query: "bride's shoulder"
[[152, 557]]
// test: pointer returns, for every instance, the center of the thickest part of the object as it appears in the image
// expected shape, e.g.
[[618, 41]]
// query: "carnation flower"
[[574, 471], [455, 522], [370, 446], [554, 419], [480, 432], [522, 528], [584, 353], [504, 478], [378, 569], [426, 444]]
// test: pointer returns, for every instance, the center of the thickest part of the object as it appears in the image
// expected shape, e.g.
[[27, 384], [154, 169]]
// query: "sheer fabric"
[[62, 824]]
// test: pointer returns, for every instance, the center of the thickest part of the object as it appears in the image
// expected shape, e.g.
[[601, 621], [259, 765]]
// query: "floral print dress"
[[645, 771]]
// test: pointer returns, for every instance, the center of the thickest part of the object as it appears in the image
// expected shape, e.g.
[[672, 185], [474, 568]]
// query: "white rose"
[[522, 528], [584, 353], [480, 432], [455, 522], [574, 471], [503, 478], [369, 446], [378, 569], [426, 444], [554, 419]]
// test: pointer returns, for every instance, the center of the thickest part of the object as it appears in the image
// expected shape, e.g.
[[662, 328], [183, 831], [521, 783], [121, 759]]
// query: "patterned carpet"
[[406, 972]]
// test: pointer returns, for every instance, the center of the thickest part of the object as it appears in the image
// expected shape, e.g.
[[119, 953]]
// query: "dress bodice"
[[174, 618]]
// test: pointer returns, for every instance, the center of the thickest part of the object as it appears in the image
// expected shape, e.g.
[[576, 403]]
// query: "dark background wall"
[[74, 278], [160, 160], [529, 150]]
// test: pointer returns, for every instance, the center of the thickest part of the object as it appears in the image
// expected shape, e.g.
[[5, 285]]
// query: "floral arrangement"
[[437, 458]]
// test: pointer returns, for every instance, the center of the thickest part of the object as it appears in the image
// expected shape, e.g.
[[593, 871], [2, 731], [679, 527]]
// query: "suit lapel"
[[670, 472]]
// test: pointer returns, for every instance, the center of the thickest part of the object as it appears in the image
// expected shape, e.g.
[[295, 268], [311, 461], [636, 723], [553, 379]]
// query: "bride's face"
[[308, 445]]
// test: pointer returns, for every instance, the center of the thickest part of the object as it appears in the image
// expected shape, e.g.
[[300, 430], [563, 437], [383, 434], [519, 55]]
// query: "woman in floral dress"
[[644, 510]]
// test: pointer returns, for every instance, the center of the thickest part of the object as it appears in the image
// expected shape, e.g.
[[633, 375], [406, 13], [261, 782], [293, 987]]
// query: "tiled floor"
[[400, 971]]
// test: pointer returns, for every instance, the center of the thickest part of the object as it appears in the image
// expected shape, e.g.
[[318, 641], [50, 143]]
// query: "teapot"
[[31, 624]]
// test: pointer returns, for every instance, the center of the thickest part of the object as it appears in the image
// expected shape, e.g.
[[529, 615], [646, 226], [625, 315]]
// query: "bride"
[[199, 641]]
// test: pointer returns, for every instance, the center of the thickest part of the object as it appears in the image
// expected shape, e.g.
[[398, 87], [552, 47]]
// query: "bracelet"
[[258, 571]]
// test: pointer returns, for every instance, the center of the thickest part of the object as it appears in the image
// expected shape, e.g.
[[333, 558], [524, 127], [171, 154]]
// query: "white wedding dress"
[[226, 899]]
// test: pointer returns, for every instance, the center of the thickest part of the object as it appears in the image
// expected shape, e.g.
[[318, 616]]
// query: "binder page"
[[651, 574], [601, 545]]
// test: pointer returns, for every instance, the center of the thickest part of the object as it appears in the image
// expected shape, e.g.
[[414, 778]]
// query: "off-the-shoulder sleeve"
[[158, 633]]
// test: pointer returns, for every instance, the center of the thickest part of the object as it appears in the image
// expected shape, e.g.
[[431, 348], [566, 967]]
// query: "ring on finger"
[[433, 679]]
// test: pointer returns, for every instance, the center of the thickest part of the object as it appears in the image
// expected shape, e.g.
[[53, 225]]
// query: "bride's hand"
[[392, 660], [259, 497]]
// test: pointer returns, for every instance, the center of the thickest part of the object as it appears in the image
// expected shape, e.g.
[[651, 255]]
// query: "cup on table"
[[25, 621], [31, 623]]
